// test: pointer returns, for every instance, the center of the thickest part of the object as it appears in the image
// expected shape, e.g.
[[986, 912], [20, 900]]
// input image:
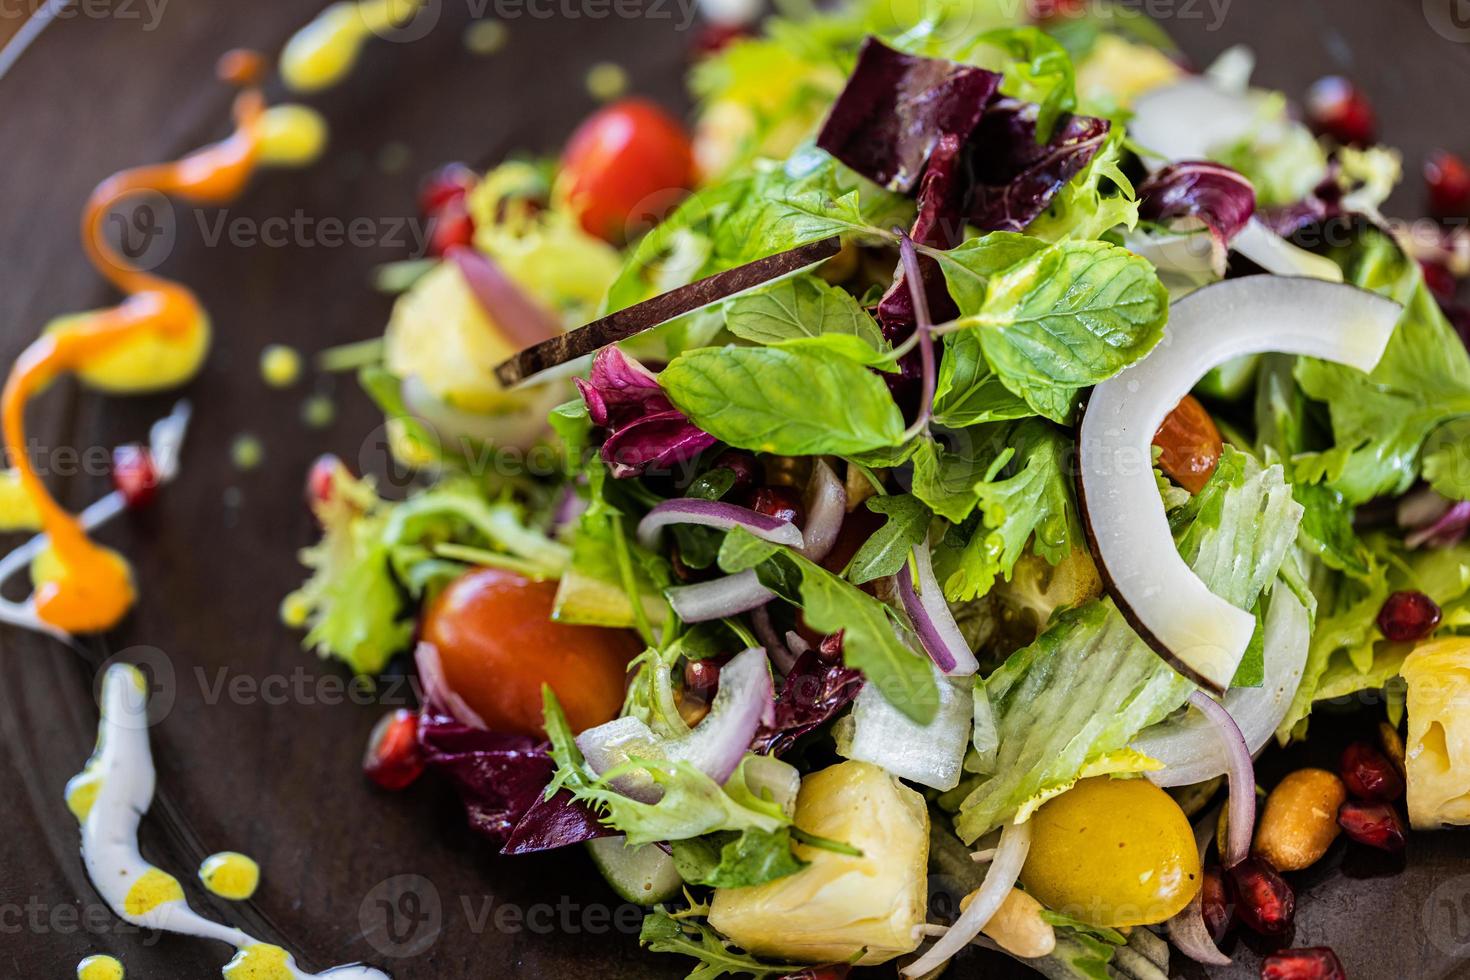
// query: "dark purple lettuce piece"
[[940, 224], [814, 691], [1322, 205], [895, 109], [1016, 177], [557, 821], [645, 430], [499, 777], [1221, 199]]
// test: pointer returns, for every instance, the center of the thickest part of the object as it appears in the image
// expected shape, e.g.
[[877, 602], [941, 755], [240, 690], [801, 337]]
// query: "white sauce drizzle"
[[110, 797]]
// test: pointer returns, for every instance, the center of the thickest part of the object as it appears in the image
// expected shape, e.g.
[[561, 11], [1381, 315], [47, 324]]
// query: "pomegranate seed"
[[1440, 280], [830, 649], [1375, 824], [450, 226], [1215, 903], [781, 503], [1448, 180], [321, 479], [134, 475], [1045, 10], [1265, 902], [449, 183], [703, 676], [393, 759], [1408, 616], [1337, 108], [1312, 963], [742, 464], [1368, 775]]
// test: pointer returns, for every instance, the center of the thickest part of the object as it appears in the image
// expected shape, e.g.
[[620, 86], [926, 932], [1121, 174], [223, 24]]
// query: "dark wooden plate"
[[258, 749]]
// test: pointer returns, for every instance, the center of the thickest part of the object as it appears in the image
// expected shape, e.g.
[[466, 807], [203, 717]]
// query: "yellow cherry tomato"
[[1114, 853]]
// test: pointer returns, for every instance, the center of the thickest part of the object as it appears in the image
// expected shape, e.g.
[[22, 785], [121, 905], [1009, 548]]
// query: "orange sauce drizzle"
[[90, 588]]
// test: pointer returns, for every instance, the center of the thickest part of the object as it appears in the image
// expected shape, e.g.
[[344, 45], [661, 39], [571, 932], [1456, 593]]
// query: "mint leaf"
[[1066, 318], [802, 307], [968, 391], [888, 549], [969, 267], [730, 860], [790, 402]]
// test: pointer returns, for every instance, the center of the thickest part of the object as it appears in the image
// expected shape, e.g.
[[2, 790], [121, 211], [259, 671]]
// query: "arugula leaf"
[[945, 478], [778, 400], [664, 933], [1065, 318], [1030, 500], [1041, 72], [808, 313], [731, 860], [1446, 463], [888, 549]]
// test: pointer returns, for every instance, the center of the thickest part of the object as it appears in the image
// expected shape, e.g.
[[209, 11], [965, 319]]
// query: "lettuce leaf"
[[730, 860], [717, 957]]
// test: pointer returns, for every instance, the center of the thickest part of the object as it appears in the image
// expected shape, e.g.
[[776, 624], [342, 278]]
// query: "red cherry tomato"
[[625, 162], [498, 645]]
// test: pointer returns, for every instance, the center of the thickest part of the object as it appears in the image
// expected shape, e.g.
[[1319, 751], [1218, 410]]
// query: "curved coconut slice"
[[1199, 633]]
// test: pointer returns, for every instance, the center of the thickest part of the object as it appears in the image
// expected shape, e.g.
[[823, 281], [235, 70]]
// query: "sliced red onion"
[[1200, 634], [1189, 746], [826, 506], [1444, 531], [935, 625], [1241, 821], [1000, 878], [1420, 508], [716, 514], [1187, 930], [514, 314], [717, 599], [437, 690], [795, 643], [765, 631]]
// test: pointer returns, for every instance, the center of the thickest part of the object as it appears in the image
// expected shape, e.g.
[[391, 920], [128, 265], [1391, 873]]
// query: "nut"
[[1393, 745], [1017, 926], [1300, 819]]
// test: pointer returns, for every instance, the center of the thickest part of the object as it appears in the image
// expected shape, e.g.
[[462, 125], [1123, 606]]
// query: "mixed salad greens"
[[836, 581]]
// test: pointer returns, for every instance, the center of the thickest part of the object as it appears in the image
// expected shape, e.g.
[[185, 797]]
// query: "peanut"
[[1393, 745], [1018, 927], [1300, 819]]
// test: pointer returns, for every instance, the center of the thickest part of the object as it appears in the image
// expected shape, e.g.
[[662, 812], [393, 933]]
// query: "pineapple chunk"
[[840, 906], [1437, 756]]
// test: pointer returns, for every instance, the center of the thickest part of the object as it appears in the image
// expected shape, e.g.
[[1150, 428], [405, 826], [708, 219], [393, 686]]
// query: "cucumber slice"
[[642, 875]]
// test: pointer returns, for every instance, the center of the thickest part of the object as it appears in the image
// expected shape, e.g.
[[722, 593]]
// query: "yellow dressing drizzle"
[[230, 875], [322, 53], [152, 889], [260, 962], [100, 968]]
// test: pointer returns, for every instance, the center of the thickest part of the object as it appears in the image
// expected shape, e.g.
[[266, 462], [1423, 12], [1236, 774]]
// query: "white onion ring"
[[935, 625], [1189, 746], [719, 598], [716, 514], [1241, 821], [826, 506], [1199, 633], [1187, 929], [437, 690], [1000, 878]]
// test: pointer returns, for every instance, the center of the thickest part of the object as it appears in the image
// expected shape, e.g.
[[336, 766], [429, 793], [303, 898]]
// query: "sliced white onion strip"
[[1187, 929], [1280, 257], [1198, 632], [437, 690], [716, 514], [1241, 822], [935, 625], [1189, 745], [745, 699], [826, 506], [721, 597], [1000, 878]]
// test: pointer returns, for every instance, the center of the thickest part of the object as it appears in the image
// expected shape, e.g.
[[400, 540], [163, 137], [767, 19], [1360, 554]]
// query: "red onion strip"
[[935, 625], [728, 596], [436, 687], [765, 631], [1242, 774], [716, 514], [513, 312], [1000, 878], [1187, 929], [826, 506]]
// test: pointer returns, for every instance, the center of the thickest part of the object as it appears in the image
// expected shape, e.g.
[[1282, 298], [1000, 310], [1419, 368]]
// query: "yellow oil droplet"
[[485, 37], [81, 793], [280, 366], [260, 962], [246, 452], [322, 53], [230, 875], [17, 510], [152, 889], [295, 610], [292, 136], [606, 81], [318, 412], [100, 968]]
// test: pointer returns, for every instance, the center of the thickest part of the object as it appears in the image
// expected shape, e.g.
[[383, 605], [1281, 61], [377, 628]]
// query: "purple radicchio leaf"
[[555, 821], [895, 109], [815, 690], [645, 430], [1214, 195], [1015, 177], [498, 776], [1323, 204]]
